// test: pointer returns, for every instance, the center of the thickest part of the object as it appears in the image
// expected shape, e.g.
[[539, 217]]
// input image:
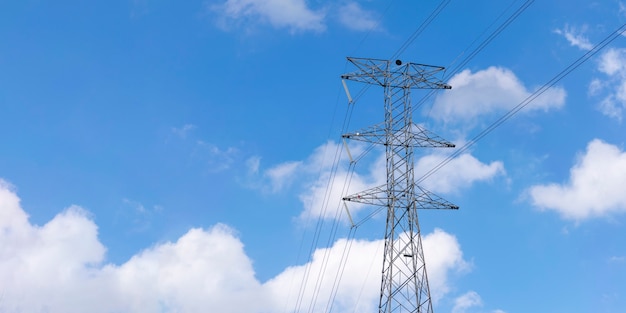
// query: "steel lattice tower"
[[404, 286]]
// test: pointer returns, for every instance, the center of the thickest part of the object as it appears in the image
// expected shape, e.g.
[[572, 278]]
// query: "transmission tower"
[[404, 286]]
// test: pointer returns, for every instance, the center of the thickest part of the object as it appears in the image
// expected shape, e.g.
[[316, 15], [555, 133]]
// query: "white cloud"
[[595, 187], [460, 172], [575, 36], [443, 256], [282, 175], [60, 267], [611, 107], [612, 63], [204, 270], [360, 276], [323, 183], [214, 158], [466, 301], [322, 197], [183, 131], [360, 284], [595, 86], [252, 164], [313, 175], [354, 17], [327, 183], [295, 15], [323, 200], [494, 89]]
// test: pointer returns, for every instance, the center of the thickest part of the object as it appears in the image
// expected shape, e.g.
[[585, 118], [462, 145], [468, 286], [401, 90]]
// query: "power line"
[[420, 28], [338, 153], [333, 173], [407, 43], [493, 35], [374, 27], [549, 84], [464, 62], [481, 46], [498, 122]]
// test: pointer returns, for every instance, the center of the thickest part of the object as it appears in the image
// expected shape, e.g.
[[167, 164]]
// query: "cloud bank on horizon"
[[61, 267]]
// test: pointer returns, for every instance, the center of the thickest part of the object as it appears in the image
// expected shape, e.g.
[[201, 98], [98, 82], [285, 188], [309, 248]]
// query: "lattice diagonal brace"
[[404, 286]]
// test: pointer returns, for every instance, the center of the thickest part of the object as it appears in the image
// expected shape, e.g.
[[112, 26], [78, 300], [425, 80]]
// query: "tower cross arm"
[[396, 74], [415, 136], [424, 76], [380, 196], [370, 71], [428, 200]]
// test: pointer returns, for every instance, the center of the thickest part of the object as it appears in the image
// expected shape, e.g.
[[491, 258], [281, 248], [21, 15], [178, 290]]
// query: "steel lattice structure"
[[404, 286]]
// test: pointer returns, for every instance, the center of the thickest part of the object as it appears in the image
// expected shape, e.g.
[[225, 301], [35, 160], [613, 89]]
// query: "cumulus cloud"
[[323, 183], [295, 15], [443, 257], [326, 178], [361, 279], [60, 267], [460, 172], [466, 301], [282, 174], [354, 17], [321, 196], [595, 187], [612, 61], [575, 36], [320, 180], [612, 87], [494, 89]]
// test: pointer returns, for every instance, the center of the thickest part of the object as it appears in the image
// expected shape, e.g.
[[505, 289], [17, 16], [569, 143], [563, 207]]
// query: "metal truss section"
[[418, 136], [379, 196], [407, 75], [404, 285], [428, 200], [374, 196]]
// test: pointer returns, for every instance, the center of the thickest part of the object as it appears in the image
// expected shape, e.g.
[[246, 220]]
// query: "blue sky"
[[162, 156]]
